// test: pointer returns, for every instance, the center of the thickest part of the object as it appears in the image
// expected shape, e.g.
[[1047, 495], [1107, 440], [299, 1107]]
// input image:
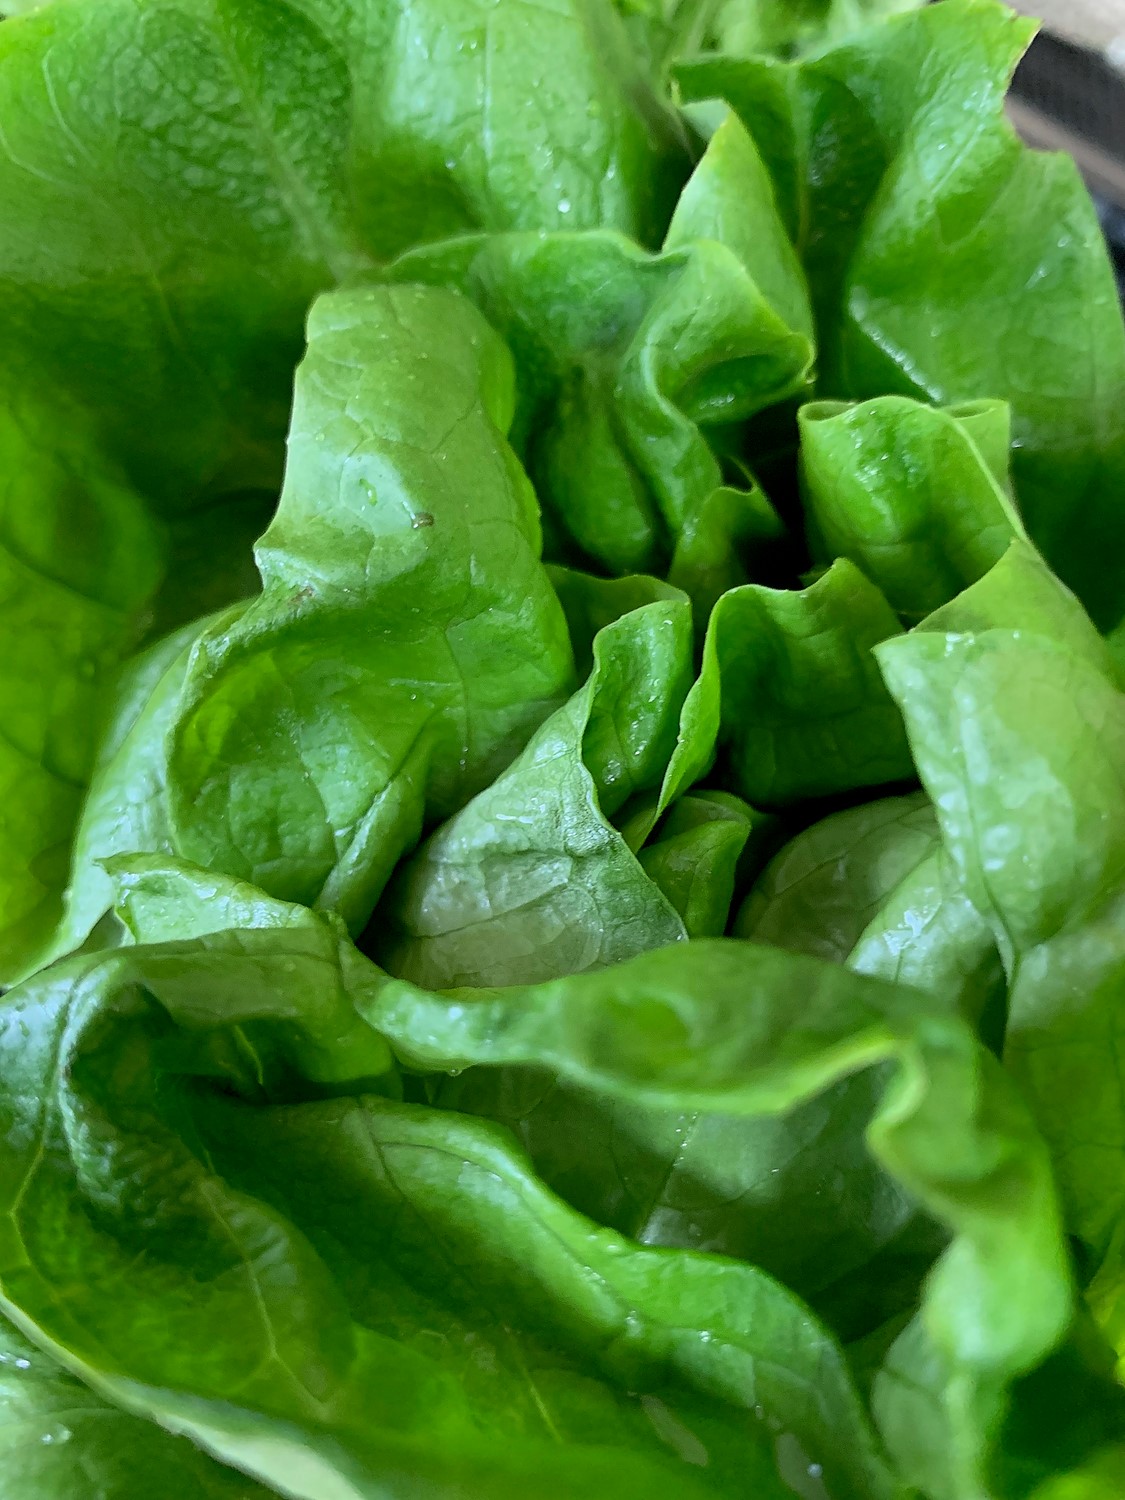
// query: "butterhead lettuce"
[[562, 758]]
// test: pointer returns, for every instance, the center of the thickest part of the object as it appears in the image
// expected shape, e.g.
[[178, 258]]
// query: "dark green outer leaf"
[[254, 146], [950, 1127], [58, 1439], [372, 1298], [711, 1027], [643, 1031]]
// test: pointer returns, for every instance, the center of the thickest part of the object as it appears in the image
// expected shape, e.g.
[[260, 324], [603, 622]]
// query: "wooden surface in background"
[[1092, 23]]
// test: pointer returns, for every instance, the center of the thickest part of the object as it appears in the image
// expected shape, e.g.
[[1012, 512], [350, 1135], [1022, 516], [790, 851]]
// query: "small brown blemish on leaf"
[[421, 518]]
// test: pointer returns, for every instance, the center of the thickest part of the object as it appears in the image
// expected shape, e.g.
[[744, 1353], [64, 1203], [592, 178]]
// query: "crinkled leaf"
[[621, 356], [531, 880], [719, 540], [928, 232], [182, 177], [307, 737], [351, 1295], [790, 687], [903, 490], [716, 1027]]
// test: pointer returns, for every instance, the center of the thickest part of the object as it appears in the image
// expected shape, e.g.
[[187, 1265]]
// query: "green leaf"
[[210, 560], [666, 30], [591, 604], [183, 178], [790, 687], [578, 1197], [715, 1028], [161, 899], [1054, 1423], [125, 808], [696, 856], [873, 887], [306, 737], [79, 561], [719, 542], [704, 1179], [696, 1180], [265, 148], [355, 1296], [928, 933], [736, 1185], [904, 492], [518, 886], [1064, 1418], [948, 262], [476, 117], [1105, 1295], [1018, 731], [1019, 622], [1102, 1478], [621, 356], [790, 27], [729, 200], [58, 1438], [1020, 742], [820, 892], [1021, 593], [1064, 1022]]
